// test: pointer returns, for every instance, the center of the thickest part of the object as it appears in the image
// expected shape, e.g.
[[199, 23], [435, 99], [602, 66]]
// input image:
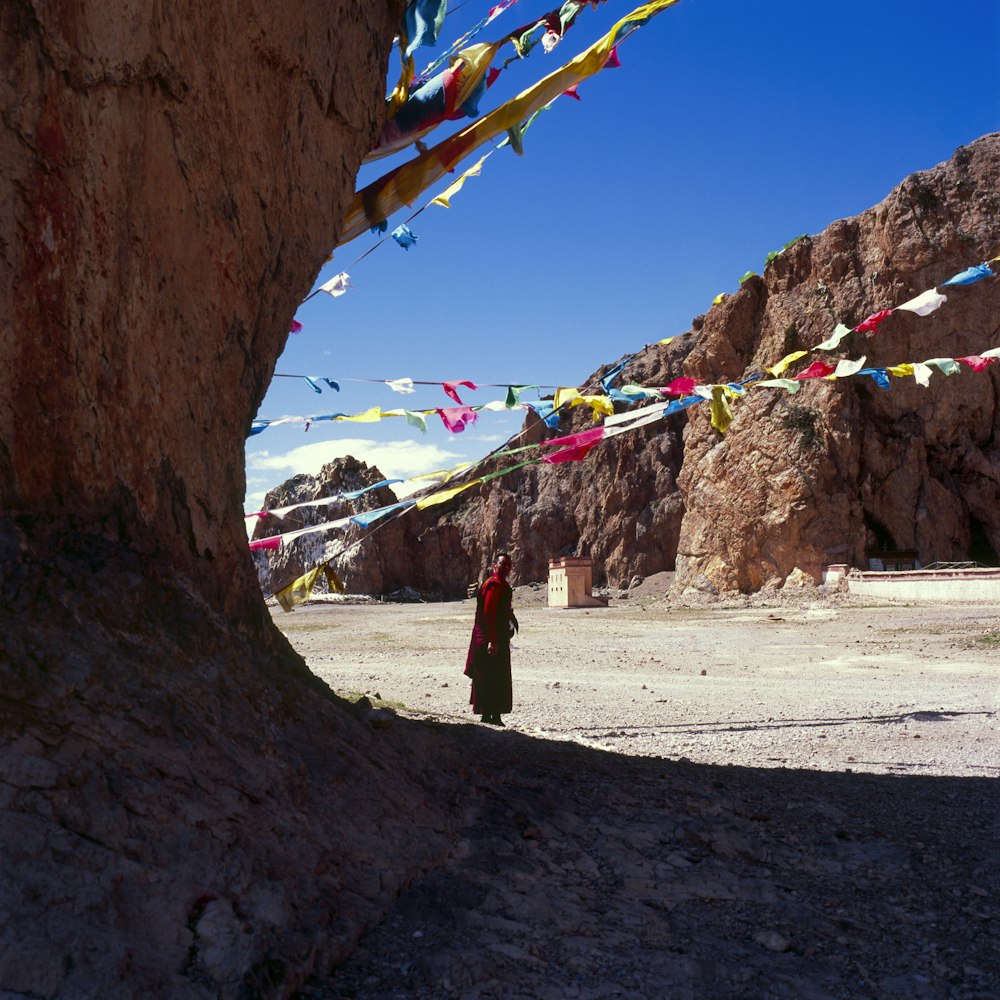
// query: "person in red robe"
[[488, 662]]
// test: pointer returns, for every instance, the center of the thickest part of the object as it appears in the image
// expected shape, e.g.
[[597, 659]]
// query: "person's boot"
[[497, 721]]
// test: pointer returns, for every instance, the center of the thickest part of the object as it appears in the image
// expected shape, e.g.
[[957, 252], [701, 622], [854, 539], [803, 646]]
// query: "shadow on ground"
[[582, 873]]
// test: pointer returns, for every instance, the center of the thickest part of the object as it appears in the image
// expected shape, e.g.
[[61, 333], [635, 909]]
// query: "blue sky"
[[729, 129]]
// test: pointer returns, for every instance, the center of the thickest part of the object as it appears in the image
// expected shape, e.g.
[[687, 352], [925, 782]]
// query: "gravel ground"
[[800, 799]]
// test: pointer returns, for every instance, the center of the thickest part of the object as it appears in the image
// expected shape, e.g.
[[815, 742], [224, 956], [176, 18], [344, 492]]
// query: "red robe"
[[492, 692]]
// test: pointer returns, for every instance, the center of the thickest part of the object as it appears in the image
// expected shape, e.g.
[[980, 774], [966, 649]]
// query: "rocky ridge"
[[799, 481]]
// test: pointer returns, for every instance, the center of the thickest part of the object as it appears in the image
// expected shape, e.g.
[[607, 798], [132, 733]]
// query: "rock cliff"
[[798, 481], [184, 810]]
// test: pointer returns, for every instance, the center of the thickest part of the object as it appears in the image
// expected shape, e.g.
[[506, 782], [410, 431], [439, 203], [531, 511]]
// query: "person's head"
[[502, 565]]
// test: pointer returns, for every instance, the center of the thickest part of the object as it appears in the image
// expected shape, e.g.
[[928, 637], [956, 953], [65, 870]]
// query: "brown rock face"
[[801, 481], [276, 569], [844, 467], [184, 810]]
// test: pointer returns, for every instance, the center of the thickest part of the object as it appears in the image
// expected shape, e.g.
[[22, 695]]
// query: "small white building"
[[571, 583]]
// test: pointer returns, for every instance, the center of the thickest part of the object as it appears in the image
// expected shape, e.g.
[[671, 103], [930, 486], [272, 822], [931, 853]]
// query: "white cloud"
[[395, 460]]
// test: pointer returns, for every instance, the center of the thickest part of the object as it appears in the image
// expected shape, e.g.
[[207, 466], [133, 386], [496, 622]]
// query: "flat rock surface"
[[794, 796]]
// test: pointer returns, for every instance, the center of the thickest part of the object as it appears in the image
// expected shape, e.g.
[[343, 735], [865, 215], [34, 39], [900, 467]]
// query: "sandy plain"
[[787, 796], [793, 680]]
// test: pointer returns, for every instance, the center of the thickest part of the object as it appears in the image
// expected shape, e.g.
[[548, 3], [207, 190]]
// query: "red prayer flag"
[[816, 370], [568, 454], [457, 418], [274, 542], [975, 362], [680, 387], [591, 436], [873, 322], [451, 387]]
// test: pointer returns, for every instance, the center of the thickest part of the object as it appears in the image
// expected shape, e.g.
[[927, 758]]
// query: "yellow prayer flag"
[[300, 590], [444, 198], [564, 396], [444, 495], [786, 361], [901, 371], [722, 415], [368, 417], [599, 405], [442, 475]]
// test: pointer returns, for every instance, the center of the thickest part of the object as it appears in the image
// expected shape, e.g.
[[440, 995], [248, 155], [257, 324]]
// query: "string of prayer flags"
[[451, 389], [300, 590], [491, 16], [337, 285], [351, 495], [970, 275], [404, 184], [404, 236], [453, 93]]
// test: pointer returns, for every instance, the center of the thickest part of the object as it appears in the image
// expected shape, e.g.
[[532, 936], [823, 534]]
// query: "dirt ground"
[[790, 795]]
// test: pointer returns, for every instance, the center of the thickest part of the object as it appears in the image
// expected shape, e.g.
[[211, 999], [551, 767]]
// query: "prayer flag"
[[404, 237], [878, 376], [444, 495], [401, 385], [839, 333], [451, 389], [788, 384], [274, 542], [975, 273], [925, 303], [873, 322], [818, 369], [337, 285], [457, 418], [368, 517], [787, 360]]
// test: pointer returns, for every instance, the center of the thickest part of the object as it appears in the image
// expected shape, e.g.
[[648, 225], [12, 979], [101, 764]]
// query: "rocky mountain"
[[798, 481], [343, 475]]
